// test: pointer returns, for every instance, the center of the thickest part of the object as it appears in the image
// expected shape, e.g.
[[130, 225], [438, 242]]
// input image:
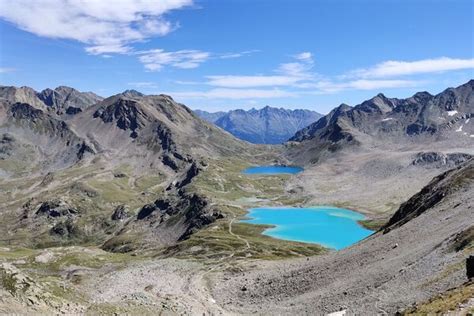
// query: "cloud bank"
[[102, 26]]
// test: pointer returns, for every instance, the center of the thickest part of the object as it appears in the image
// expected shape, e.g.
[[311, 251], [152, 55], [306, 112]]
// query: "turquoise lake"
[[272, 170], [328, 226]]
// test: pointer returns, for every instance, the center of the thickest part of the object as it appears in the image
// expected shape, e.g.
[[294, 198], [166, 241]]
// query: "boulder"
[[56, 208], [470, 267], [120, 213]]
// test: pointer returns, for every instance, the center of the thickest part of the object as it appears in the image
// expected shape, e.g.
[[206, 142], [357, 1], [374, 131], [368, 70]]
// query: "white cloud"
[[394, 68], [296, 70], [301, 69], [109, 49], [5, 70], [362, 84], [156, 59], [143, 84], [107, 27], [230, 81], [233, 94], [304, 56], [297, 79], [289, 74], [104, 26], [238, 54]]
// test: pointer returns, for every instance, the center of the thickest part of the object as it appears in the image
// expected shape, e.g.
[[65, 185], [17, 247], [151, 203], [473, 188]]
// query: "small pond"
[[272, 170]]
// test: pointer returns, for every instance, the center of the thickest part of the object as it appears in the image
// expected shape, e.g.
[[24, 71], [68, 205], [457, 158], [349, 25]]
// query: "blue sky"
[[220, 55]]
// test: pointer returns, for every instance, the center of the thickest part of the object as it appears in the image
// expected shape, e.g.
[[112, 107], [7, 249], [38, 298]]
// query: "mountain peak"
[[67, 100], [132, 93], [422, 95], [344, 107], [65, 88]]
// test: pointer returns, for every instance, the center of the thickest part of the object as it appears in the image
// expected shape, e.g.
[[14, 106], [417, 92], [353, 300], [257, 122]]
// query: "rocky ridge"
[[381, 120]]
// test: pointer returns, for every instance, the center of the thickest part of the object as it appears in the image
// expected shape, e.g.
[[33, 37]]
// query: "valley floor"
[[226, 267]]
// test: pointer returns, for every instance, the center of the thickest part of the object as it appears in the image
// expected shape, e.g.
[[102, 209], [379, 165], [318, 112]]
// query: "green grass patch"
[[8, 282], [372, 224], [443, 303]]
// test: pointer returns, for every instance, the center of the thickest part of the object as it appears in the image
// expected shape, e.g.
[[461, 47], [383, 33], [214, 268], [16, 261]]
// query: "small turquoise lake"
[[328, 226], [272, 170]]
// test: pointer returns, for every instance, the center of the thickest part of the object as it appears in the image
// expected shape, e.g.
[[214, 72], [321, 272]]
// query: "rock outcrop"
[[120, 213], [470, 267], [437, 159], [56, 208], [441, 186]]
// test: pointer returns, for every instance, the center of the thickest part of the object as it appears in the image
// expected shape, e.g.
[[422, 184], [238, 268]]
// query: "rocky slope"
[[147, 127], [65, 177], [35, 141], [268, 125]]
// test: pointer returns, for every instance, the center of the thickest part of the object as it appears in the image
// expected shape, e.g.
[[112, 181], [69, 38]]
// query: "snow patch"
[[451, 113], [467, 121], [459, 129], [472, 135], [340, 313], [387, 119]]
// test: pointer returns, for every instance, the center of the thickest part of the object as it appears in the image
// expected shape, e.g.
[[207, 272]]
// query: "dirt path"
[[235, 235], [198, 286]]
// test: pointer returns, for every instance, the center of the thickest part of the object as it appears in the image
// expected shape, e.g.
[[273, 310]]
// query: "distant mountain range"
[[268, 125]]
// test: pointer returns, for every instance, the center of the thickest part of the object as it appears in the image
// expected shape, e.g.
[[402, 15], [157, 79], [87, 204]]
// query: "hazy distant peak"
[[268, 125]]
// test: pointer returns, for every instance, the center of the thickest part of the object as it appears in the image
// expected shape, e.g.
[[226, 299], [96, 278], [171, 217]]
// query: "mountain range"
[[102, 196], [420, 118], [268, 125]]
